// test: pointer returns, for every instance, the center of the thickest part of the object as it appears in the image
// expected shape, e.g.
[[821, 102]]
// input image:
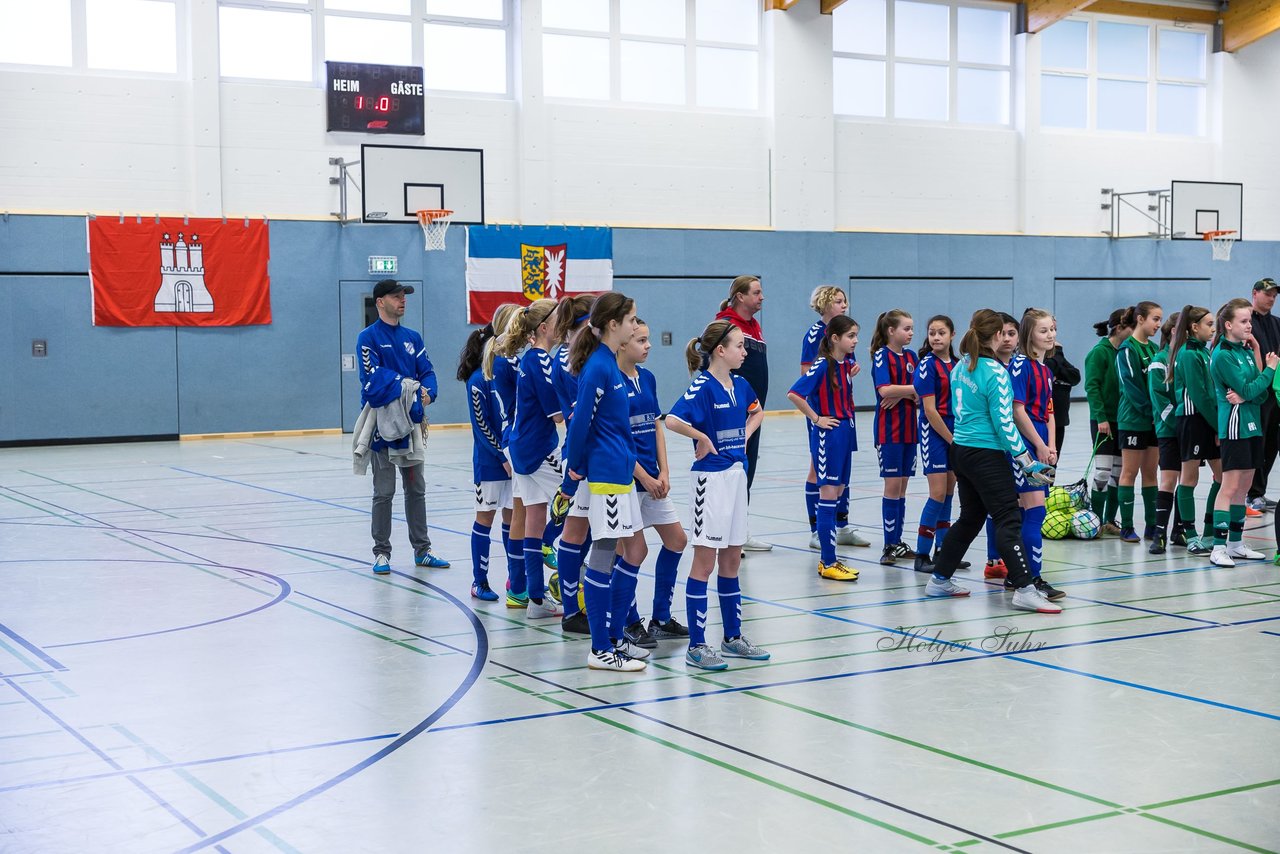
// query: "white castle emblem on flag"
[[182, 276]]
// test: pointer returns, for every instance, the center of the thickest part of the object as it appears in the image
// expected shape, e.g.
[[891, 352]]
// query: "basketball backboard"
[[1199, 206], [400, 180]]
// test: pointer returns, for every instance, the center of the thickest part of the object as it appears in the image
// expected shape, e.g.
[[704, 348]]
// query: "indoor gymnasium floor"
[[195, 656]]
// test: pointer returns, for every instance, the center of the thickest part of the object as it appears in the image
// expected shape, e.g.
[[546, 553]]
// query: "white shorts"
[[613, 516], [656, 511], [493, 495], [540, 487], [719, 503], [581, 508]]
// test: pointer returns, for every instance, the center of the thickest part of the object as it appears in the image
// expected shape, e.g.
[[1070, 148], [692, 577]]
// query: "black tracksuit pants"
[[985, 484]]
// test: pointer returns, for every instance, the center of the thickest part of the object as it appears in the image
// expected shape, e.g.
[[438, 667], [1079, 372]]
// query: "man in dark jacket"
[[1266, 329]]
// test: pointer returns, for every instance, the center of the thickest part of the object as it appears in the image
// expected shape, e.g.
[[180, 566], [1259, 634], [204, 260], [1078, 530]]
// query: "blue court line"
[[31, 648], [29, 673], [192, 763], [1273, 634], [477, 664]]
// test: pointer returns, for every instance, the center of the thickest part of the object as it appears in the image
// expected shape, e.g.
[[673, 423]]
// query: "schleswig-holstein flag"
[[520, 264]]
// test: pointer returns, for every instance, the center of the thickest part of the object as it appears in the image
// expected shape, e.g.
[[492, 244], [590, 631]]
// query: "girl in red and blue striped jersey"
[[825, 396], [933, 387], [1032, 383], [893, 368], [828, 301]]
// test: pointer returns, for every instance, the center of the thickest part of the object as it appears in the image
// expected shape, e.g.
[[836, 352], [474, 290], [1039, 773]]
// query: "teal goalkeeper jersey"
[[983, 403]]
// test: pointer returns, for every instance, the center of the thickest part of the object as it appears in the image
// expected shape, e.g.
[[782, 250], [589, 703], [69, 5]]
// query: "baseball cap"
[[390, 286], [1267, 284]]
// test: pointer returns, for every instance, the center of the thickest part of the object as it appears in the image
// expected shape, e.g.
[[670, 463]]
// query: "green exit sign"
[[382, 264]]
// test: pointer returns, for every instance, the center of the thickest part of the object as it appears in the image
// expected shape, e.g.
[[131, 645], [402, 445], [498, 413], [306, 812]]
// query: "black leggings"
[[984, 481]]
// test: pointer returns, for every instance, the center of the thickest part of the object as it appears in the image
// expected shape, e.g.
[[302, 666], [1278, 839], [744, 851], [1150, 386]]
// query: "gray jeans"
[[415, 504]]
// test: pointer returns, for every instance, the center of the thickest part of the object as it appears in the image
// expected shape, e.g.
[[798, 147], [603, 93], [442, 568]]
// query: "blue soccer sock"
[[664, 583], [842, 508], [596, 586], [506, 538], [992, 552], [695, 596], [534, 580], [516, 576], [943, 525], [730, 605], [569, 561], [889, 517], [550, 533], [827, 531], [1033, 538], [480, 552], [902, 518], [928, 526], [811, 505], [622, 592]]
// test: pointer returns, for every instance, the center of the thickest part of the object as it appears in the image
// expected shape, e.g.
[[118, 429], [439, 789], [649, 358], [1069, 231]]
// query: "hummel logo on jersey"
[[721, 405]]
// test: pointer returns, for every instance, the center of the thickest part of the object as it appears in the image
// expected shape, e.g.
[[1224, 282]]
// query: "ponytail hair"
[[570, 315], [739, 287], [1105, 328], [610, 306], [698, 352], [525, 322], [502, 316], [473, 352], [926, 348], [885, 323], [1187, 318], [1134, 313], [985, 325], [1228, 312], [839, 326], [1030, 318], [1166, 330]]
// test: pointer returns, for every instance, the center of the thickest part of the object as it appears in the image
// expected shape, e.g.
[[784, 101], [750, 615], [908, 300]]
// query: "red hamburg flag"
[[171, 272]]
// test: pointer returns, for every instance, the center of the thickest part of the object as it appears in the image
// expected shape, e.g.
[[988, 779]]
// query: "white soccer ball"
[[1085, 524]]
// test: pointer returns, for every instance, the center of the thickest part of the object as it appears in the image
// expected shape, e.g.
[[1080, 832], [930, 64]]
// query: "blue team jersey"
[[721, 413], [810, 343], [933, 379], [565, 383], [389, 354], [503, 386], [642, 394], [828, 395], [533, 434], [598, 442], [483, 408], [1032, 387], [896, 425]]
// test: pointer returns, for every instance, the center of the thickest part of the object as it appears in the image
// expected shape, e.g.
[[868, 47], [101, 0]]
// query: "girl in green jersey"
[[1197, 416], [1103, 393], [1137, 433]]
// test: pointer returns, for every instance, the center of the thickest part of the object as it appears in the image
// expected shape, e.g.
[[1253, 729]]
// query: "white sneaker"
[[1030, 599], [847, 536], [1220, 557], [943, 587], [610, 660], [548, 608], [815, 542], [630, 650], [1239, 551], [754, 545]]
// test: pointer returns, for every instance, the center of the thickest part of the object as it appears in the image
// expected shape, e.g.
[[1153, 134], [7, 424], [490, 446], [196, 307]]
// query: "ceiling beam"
[[1042, 13], [783, 5], [1246, 21], [829, 6], [1150, 10]]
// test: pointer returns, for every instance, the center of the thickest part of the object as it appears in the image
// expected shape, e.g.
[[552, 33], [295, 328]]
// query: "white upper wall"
[[72, 142]]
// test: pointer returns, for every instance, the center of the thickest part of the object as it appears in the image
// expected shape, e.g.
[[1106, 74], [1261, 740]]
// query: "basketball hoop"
[[434, 225], [1222, 242]]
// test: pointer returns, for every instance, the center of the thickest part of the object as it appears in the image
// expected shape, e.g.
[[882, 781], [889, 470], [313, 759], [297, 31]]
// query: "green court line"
[[99, 494], [1199, 831], [48, 678], [1217, 794], [72, 518], [726, 766], [206, 790]]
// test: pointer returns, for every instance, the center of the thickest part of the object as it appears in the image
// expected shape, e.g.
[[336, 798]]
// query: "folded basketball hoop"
[[434, 225], [1222, 242]]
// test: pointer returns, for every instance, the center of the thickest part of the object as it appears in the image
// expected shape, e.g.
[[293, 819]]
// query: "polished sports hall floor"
[[195, 656]]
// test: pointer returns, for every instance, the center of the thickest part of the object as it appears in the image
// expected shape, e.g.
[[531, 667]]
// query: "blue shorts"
[[1042, 430], [935, 456], [897, 459], [832, 453]]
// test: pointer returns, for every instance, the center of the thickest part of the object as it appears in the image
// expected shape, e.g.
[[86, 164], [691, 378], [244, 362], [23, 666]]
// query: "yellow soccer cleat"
[[837, 572]]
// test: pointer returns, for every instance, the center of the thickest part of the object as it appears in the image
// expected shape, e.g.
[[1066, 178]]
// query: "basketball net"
[[434, 225], [1222, 241]]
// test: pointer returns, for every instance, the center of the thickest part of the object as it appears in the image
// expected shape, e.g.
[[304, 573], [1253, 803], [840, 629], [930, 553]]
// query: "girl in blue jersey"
[[893, 368], [828, 301], [1032, 383], [653, 480], [719, 412], [501, 374], [825, 396], [570, 321], [491, 472], [532, 445], [601, 451], [985, 432], [932, 382]]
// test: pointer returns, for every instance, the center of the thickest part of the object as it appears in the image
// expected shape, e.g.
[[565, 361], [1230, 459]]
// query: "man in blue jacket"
[[389, 355]]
